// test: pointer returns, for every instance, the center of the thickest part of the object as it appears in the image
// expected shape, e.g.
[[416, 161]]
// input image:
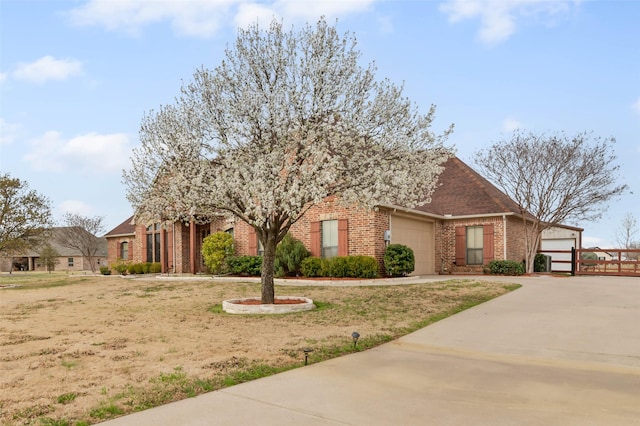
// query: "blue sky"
[[76, 78]]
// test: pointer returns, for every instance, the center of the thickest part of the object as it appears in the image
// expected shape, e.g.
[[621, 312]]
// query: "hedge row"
[[336, 267], [340, 267], [505, 267], [123, 267]]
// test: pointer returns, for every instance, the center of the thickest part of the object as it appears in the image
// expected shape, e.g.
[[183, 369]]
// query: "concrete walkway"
[[559, 351]]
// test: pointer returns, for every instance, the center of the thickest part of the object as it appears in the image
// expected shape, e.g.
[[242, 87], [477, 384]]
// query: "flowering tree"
[[287, 119], [554, 178]]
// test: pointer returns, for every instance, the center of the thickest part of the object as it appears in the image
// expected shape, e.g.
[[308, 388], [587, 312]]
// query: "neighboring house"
[[467, 224], [69, 259]]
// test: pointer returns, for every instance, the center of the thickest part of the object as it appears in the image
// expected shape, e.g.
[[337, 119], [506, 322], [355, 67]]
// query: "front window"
[[474, 245], [153, 243], [124, 250], [70, 261], [329, 238]]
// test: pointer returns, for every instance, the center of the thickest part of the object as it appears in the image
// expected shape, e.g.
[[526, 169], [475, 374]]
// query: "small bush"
[[399, 260], [362, 267], [136, 268], [121, 266], [216, 248], [244, 265], [338, 267], [505, 267], [155, 268], [146, 267], [314, 267], [539, 263], [105, 270], [289, 256]]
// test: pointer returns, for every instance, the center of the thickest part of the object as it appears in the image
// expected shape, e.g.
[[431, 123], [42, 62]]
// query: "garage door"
[[417, 234], [560, 262]]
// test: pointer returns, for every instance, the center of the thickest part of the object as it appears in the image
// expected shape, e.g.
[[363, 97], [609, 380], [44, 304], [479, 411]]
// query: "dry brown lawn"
[[79, 350]]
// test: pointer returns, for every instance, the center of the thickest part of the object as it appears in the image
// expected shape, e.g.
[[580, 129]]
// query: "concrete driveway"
[[559, 351]]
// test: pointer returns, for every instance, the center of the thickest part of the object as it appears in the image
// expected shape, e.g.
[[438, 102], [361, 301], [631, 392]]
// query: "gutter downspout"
[[504, 237]]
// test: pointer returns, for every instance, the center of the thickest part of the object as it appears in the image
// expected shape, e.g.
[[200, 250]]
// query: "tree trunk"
[[532, 248], [268, 266]]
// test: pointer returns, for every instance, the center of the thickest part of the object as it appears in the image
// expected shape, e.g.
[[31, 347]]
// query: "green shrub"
[[505, 267], [105, 270], [289, 256], [120, 266], [539, 263], [155, 268], [244, 265], [338, 267], [399, 260], [146, 267], [216, 248], [135, 268], [314, 267], [362, 267]]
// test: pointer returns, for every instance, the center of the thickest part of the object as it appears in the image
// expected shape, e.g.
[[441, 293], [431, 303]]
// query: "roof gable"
[[462, 191], [55, 241], [125, 228]]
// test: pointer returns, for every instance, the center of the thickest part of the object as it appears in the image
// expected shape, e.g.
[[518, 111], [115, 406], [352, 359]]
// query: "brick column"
[[192, 246]]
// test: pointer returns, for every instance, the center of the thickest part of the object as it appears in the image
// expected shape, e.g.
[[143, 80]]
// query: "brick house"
[[69, 259], [468, 223]]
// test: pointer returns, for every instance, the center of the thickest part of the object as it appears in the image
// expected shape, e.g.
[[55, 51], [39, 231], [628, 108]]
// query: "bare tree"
[[554, 178], [80, 234], [25, 216], [626, 235], [287, 119]]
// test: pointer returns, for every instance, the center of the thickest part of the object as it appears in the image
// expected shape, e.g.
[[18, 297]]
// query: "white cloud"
[[313, 10], [76, 207], [499, 18], [250, 13], [90, 154], [198, 18], [8, 131], [203, 18], [47, 68], [510, 124]]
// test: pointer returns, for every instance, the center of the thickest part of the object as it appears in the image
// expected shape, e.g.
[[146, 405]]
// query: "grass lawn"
[[79, 349]]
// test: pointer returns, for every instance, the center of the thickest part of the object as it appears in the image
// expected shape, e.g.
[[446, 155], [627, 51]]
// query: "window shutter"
[[253, 242], [487, 244], [316, 228], [130, 250], [343, 237], [461, 245]]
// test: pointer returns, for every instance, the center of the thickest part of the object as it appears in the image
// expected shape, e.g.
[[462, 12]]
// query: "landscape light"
[[355, 335], [306, 351]]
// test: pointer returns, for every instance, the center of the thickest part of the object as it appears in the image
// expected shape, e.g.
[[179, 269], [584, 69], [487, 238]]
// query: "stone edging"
[[232, 306]]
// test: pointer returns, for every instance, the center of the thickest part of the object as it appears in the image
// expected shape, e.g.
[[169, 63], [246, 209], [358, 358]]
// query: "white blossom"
[[284, 121]]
